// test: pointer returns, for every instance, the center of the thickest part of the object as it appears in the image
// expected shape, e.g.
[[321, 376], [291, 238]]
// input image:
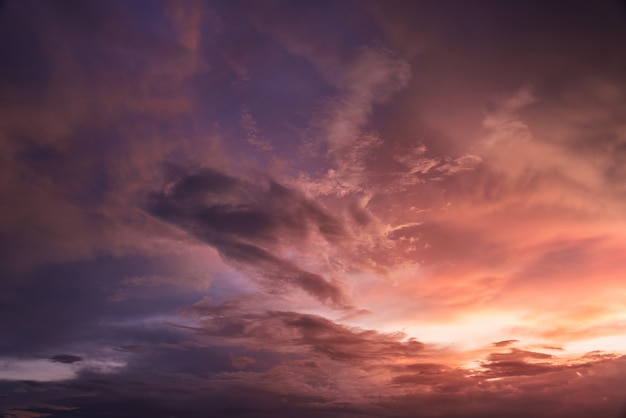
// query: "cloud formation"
[[353, 209], [247, 223]]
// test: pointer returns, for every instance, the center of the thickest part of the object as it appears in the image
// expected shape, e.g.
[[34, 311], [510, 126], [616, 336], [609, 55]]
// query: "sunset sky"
[[329, 208]]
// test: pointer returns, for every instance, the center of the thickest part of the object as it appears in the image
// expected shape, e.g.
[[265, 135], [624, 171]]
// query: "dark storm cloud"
[[248, 223]]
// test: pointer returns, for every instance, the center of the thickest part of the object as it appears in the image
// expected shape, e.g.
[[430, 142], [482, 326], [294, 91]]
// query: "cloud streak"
[[247, 222]]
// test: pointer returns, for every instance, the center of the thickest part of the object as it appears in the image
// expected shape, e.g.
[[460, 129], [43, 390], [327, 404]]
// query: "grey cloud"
[[342, 343], [425, 390], [65, 358], [248, 223], [305, 333], [223, 205]]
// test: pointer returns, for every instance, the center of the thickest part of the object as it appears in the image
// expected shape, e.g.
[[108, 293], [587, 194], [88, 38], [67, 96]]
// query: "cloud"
[[249, 125], [371, 78], [250, 225], [413, 159], [362, 78], [502, 121], [282, 362], [411, 233], [295, 332], [241, 362], [463, 163], [37, 370], [504, 343], [343, 387], [65, 358], [54, 150]]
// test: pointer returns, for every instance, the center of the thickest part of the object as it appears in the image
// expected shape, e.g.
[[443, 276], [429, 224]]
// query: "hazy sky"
[[313, 208]]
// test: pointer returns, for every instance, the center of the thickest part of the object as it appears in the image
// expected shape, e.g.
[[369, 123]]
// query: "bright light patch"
[[37, 370], [609, 343], [468, 332]]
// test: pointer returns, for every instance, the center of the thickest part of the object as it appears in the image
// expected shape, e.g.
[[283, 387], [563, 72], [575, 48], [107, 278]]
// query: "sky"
[[347, 208]]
